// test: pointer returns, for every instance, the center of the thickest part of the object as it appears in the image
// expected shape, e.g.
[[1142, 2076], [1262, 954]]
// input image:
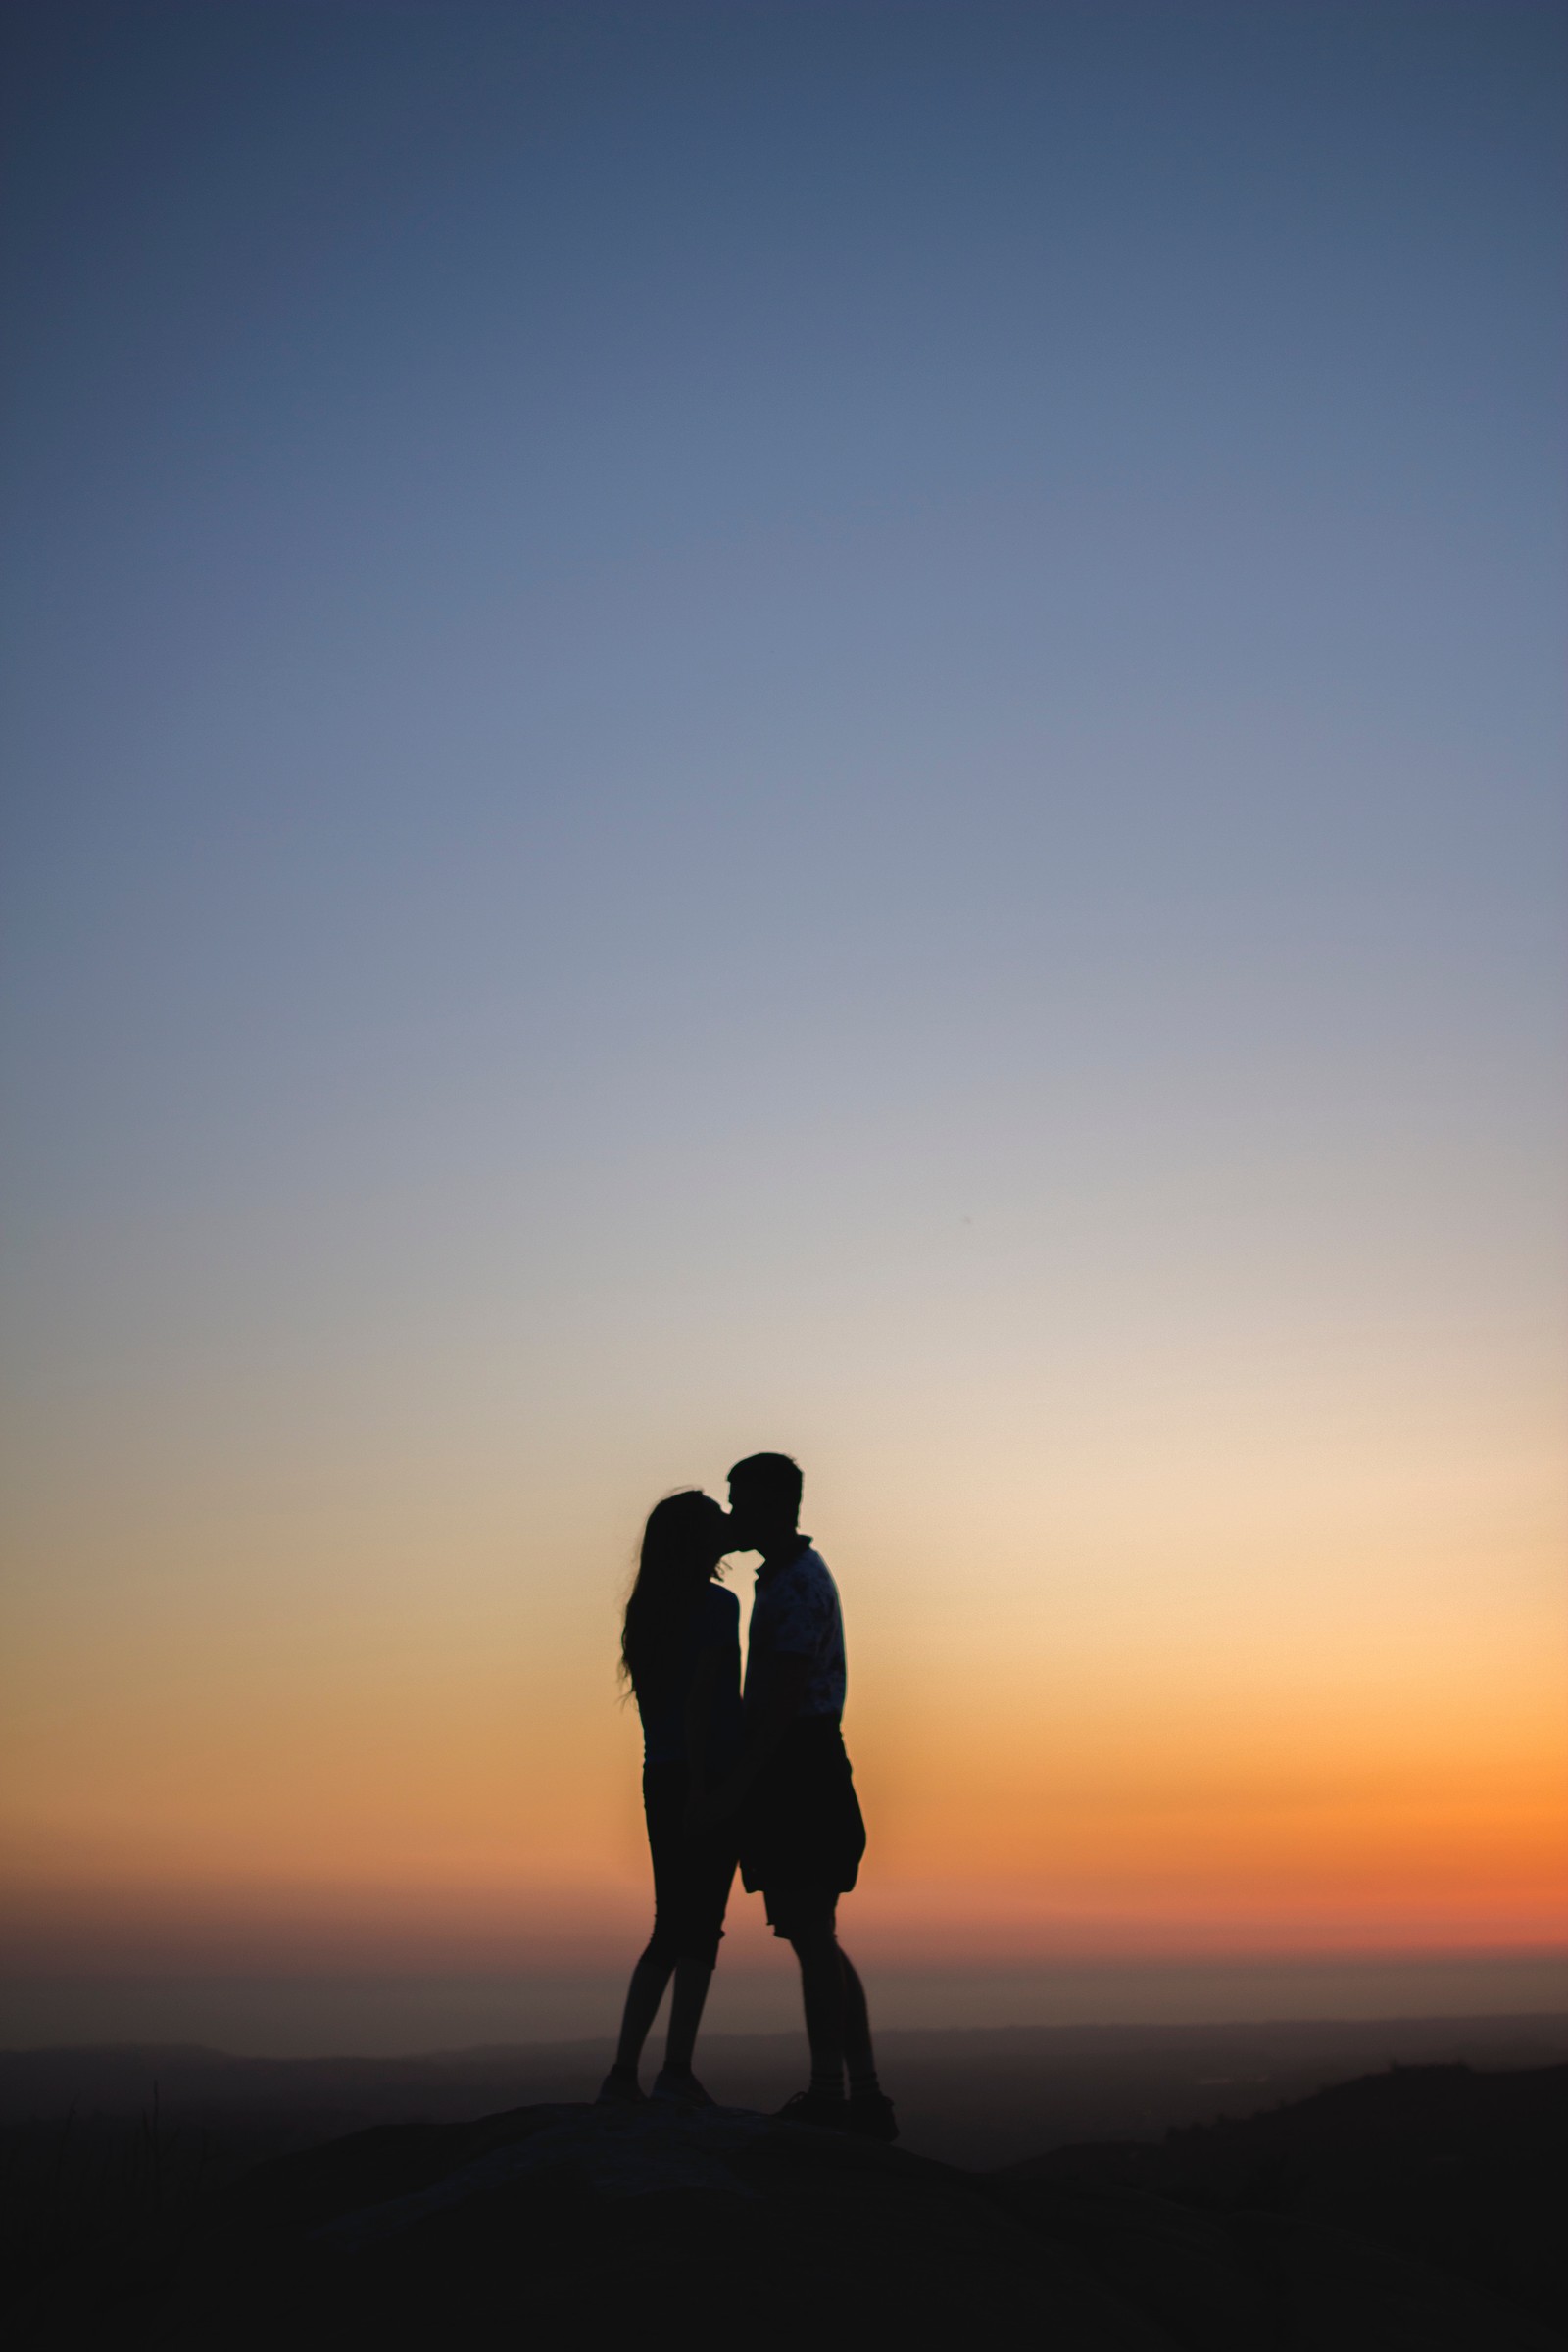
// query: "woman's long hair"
[[680, 1555]]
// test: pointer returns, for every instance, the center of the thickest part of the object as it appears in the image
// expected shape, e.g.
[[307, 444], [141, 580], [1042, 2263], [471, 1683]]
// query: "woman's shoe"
[[678, 2087], [621, 2089]]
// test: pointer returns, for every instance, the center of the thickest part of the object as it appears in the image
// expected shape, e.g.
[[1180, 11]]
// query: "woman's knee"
[[678, 1944], [700, 1939]]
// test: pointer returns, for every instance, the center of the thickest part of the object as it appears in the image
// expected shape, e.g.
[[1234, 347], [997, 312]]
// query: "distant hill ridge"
[[1461, 2168]]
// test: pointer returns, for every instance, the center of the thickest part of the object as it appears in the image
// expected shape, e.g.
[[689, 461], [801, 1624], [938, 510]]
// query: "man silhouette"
[[800, 1832]]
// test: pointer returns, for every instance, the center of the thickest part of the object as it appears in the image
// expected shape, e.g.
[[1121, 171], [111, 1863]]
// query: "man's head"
[[764, 1502]]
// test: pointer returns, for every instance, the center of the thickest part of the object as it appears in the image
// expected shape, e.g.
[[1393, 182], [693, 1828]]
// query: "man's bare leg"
[[823, 1990], [858, 2053]]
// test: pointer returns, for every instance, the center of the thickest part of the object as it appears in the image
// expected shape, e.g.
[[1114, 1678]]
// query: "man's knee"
[[815, 1944], [799, 1910]]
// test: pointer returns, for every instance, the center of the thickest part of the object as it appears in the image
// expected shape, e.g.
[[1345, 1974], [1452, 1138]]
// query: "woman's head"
[[686, 1536]]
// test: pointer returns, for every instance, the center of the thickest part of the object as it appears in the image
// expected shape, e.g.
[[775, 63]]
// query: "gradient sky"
[[828, 726]]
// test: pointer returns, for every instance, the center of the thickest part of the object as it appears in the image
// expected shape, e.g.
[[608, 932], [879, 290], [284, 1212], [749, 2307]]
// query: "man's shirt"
[[796, 1614]]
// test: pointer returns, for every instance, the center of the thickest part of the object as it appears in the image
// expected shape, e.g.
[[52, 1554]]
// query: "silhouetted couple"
[[759, 1778]]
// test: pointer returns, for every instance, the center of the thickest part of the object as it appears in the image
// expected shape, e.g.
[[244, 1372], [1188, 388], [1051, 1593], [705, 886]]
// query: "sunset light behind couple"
[[825, 727]]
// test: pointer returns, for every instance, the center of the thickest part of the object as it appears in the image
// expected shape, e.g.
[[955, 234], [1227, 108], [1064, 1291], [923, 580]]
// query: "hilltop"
[[1404, 2212]]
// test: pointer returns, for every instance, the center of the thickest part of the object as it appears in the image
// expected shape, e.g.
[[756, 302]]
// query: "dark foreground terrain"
[[1413, 2209]]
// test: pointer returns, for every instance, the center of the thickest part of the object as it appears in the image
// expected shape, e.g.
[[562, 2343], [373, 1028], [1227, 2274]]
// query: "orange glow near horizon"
[[789, 731], [420, 1789]]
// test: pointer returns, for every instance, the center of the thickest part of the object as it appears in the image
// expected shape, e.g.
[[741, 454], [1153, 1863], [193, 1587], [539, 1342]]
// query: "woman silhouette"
[[680, 1651]]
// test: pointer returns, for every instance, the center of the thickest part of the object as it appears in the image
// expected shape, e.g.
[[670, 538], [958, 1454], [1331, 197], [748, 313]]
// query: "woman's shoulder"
[[718, 1608]]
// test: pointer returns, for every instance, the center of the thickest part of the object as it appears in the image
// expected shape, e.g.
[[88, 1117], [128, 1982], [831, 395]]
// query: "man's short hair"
[[772, 1475]]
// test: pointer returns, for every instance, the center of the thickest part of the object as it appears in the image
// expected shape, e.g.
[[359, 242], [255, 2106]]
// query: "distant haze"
[[343, 2013], [826, 727]]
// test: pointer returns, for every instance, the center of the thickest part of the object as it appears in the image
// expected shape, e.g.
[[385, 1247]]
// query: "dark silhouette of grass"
[[96, 2213]]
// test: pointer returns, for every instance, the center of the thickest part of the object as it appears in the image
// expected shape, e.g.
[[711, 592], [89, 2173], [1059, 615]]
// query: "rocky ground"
[[1408, 2213]]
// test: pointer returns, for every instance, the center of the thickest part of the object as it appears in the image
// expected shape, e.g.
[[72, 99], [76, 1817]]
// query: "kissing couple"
[[755, 1778]]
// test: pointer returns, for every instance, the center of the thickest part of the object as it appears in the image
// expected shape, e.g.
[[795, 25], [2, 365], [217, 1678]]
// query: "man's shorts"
[[799, 1909], [802, 1835]]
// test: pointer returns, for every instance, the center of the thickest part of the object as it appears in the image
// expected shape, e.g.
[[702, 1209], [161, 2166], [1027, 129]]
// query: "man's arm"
[[766, 1728]]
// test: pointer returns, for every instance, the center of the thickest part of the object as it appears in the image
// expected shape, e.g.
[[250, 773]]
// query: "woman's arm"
[[700, 1715]]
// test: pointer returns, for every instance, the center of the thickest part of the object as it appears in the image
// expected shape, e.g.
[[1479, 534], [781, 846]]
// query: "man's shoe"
[[824, 2110], [678, 2087], [621, 2089], [870, 2115]]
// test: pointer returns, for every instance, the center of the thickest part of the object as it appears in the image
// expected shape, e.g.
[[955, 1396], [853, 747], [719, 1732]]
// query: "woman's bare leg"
[[692, 1980], [642, 1995]]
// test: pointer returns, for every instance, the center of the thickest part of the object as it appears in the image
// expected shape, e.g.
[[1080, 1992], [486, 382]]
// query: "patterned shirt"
[[796, 1614]]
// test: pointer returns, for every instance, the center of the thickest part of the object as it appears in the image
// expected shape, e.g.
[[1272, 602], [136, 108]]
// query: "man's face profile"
[[742, 1514]]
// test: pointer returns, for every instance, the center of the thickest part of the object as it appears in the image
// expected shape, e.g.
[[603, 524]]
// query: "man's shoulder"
[[814, 1569], [801, 1568], [806, 1580]]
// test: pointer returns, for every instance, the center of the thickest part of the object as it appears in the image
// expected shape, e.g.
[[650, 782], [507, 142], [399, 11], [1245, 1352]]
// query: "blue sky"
[[831, 725]]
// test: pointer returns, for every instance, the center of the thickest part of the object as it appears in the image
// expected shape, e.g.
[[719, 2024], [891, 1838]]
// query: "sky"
[[835, 727]]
